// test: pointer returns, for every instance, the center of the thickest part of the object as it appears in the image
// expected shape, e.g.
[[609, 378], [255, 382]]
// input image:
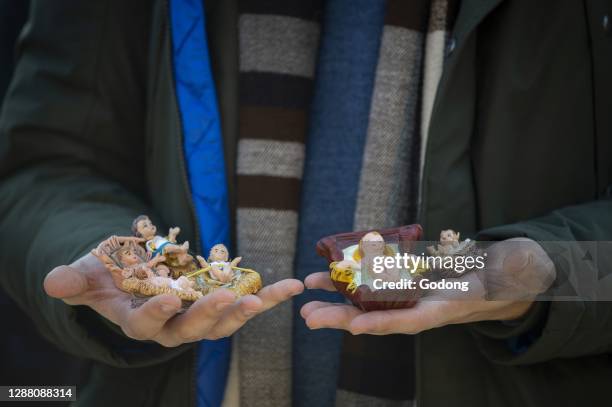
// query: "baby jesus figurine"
[[219, 265], [135, 270], [153, 270], [162, 278], [147, 264], [450, 245], [360, 267], [219, 272], [358, 261], [155, 244], [133, 266]]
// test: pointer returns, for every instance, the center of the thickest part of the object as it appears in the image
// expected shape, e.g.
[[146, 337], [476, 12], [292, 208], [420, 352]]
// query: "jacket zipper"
[[185, 180]]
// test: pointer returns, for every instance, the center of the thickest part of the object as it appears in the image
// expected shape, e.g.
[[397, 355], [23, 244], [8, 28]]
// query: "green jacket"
[[520, 144]]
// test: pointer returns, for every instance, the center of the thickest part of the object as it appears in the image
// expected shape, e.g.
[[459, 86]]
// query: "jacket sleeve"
[[72, 161], [576, 319]]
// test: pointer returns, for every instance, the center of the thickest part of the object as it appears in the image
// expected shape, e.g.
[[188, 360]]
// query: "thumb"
[[65, 282]]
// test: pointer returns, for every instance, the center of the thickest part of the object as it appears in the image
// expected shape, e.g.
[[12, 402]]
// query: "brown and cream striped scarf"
[[278, 42]]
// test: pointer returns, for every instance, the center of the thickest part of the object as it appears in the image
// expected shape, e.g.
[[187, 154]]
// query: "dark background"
[[25, 357]]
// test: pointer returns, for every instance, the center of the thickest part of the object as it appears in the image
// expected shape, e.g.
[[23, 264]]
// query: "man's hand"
[[217, 315], [517, 270]]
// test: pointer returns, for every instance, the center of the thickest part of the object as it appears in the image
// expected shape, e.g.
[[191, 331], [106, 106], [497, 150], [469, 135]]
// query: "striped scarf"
[[278, 42]]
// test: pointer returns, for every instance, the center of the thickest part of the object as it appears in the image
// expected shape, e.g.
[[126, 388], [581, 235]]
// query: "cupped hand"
[[517, 270], [216, 315]]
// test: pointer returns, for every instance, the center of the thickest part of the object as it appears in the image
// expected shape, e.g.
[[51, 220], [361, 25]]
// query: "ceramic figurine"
[[221, 269], [178, 258], [144, 228], [450, 245], [350, 257], [136, 271], [360, 257], [218, 271], [147, 264]]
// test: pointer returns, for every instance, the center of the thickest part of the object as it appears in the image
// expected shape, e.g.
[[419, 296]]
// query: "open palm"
[[216, 315], [517, 271]]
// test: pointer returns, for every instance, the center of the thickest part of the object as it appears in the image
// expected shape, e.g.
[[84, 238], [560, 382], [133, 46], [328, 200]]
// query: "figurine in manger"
[[359, 259], [147, 264], [350, 257], [162, 278], [221, 269], [134, 270], [218, 271]]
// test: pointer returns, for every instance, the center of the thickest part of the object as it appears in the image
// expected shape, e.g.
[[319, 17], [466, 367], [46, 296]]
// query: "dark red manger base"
[[368, 300], [363, 298]]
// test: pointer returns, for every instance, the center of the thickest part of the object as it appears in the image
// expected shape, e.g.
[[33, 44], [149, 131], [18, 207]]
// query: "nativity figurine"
[[221, 272], [359, 260], [147, 264], [143, 227], [134, 270], [451, 245], [353, 271]]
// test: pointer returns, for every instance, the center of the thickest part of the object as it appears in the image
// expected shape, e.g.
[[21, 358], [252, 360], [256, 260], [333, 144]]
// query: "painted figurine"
[[144, 228], [358, 261], [450, 244], [221, 268], [355, 259], [147, 264], [136, 271], [219, 272], [178, 258]]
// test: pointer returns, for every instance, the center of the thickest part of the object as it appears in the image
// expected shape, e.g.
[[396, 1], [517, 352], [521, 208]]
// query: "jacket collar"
[[471, 14]]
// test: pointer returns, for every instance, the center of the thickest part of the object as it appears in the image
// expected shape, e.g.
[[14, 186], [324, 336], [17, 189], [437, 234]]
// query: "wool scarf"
[[278, 46]]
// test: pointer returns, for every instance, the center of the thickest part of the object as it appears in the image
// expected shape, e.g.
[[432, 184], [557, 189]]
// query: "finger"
[[337, 316], [251, 305], [320, 281], [532, 272], [474, 290], [66, 283], [148, 320], [517, 261], [425, 315], [278, 292], [200, 318], [236, 316], [311, 306]]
